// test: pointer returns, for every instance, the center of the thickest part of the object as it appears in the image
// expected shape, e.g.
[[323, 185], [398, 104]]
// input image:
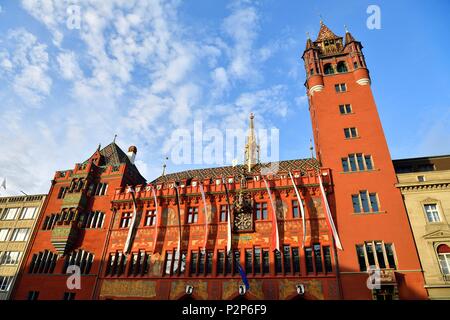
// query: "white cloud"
[[68, 66]]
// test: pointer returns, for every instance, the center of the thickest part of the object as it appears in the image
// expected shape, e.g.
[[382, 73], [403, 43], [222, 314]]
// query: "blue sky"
[[143, 69]]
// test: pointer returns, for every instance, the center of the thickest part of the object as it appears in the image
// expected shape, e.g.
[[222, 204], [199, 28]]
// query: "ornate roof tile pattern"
[[302, 165], [325, 34]]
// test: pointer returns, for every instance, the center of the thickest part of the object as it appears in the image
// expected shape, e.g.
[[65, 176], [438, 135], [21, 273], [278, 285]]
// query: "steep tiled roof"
[[348, 38], [113, 155], [325, 34], [229, 171]]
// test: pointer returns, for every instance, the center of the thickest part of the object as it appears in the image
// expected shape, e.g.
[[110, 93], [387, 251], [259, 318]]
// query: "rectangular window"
[[295, 212], [261, 211], [327, 259], [359, 159], [10, 257], [183, 262], [345, 166], [287, 258], [192, 215], [278, 265], [296, 260], [209, 261], [361, 257], [351, 158], [249, 261], [432, 212], [237, 256], [100, 189], [193, 266], [176, 261], [28, 213], [9, 213], [150, 218], [126, 219], [318, 258], [368, 162], [229, 263], [220, 262], [4, 234], [201, 262], [169, 257], [223, 213], [350, 133], [266, 263], [340, 87], [5, 283], [345, 108], [257, 265], [376, 253], [309, 260], [20, 234], [367, 201], [93, 220], [62, 192]]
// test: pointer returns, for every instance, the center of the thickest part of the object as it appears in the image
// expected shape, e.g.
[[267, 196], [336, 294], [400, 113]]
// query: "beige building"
[[425, 185], [18, 216]]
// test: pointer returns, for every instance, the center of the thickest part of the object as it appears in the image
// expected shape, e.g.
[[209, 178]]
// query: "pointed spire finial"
[[307, 35], [164, 167], [251, 147], [311, 148], [115, 136], [345, 27], [99, 147], [321, 20]]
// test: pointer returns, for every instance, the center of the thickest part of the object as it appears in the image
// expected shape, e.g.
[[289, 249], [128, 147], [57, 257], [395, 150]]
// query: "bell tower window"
[[341, 67], [328, 69]]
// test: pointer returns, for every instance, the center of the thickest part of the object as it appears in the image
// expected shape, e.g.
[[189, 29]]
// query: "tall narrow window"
[[374, 202], [278, 265], [257, 265], [237, 256], [309, 260], [327, 259], [390, 255], [266, 264], [209, 261], [201, 262], [370, 254], [351, 158], [365, 201], [345, 108], [169, 257], [380, 255], [350, 133], [5, 283], [361, 257], [296, 260], [356, 205], [223, 213], [249, 261], [368, 162], [287, 258], [359, 158], [229, 263], [318, 258], [443, 252], [295, 212], [345, 166], [193, 266], [220, 262]]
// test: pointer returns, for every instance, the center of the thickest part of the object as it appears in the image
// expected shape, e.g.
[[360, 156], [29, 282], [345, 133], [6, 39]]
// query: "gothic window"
[[341, 67], [43, 262], [80, 258], [328, 69]]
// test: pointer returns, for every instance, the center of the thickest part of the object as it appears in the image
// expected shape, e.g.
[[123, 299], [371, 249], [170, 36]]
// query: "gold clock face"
[[243, 222]]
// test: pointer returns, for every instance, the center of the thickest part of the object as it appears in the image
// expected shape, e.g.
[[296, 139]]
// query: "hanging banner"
[[134, 222], [228, 217], [156, 218], [328, 214], [275, 235], [206, 216], [179, 218], [302, 210]]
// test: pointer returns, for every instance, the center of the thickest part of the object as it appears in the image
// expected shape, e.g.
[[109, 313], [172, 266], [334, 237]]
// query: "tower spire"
[[251, 147]]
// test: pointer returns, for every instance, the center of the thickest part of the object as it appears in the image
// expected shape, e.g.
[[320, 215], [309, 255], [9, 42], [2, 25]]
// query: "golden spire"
[[251, 147]]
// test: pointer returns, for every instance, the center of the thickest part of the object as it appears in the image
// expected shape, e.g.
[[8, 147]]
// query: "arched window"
[[444, 258], [341, 67], [328, 69]]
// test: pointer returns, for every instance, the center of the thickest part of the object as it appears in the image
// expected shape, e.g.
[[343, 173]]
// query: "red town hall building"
[[137, 240]]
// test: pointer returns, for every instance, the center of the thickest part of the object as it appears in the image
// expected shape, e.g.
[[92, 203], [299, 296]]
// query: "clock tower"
[[371, 219]]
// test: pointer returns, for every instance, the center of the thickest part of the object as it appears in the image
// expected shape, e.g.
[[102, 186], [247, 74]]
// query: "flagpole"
[[156, 218], [274, 218], [228, 217], [179, 217], [205, 241]]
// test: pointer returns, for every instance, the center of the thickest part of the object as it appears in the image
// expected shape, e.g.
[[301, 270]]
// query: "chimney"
[[132, 153]]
